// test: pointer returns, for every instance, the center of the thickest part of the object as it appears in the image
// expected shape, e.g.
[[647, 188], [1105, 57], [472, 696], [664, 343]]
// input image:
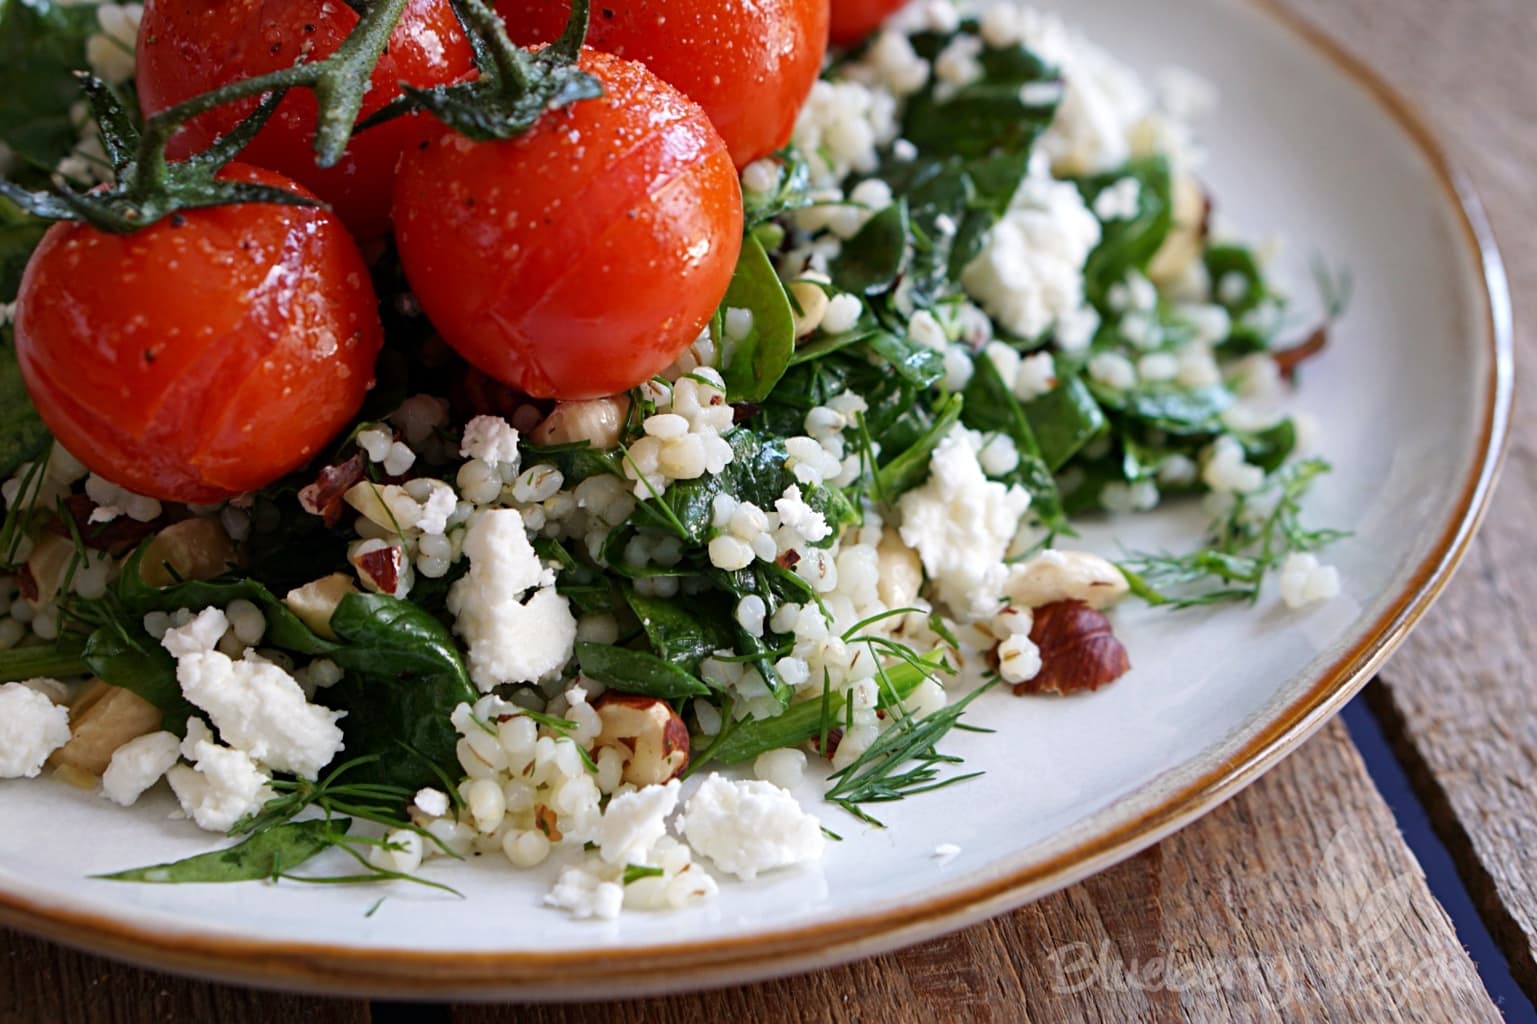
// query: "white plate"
[[1413, 396]]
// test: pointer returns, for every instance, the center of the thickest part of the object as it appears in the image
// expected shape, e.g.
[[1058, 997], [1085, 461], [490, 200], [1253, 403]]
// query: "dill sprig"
[[1246, 543], [903, 761]]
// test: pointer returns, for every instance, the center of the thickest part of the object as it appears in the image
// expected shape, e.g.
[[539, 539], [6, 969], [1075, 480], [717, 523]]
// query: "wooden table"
[[1298, 900]]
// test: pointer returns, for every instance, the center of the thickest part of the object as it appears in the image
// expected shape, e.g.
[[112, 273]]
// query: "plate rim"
[[676, 967]]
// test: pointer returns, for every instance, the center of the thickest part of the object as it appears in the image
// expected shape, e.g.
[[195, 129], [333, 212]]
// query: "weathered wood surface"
[[1461, 697], [1297, 901], [41, 983]]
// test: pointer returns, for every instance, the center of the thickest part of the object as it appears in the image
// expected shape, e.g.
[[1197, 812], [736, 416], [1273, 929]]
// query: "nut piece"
[[647, 732], [382, 567], [1186, 238], [46, 567], [1065, 576], [900, 571], [102, 718], [1079, 651], [193, 549], [316, 601], [598, 421], [812, 302]]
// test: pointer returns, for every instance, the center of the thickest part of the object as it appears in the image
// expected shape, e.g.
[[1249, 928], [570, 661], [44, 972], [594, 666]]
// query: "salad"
[[434, 430]]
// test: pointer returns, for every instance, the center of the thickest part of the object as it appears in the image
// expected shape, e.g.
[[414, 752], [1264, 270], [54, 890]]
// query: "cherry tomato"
[[205, 355], [853, 20], [749, 63], [582, 257], [187, 47]]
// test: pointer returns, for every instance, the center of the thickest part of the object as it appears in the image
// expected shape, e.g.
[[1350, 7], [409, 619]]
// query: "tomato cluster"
[[217, 349]]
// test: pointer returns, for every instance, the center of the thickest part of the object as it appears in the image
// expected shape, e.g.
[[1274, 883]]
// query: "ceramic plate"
[[1412, 397]]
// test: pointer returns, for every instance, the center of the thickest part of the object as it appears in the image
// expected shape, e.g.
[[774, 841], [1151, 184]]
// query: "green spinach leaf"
[[267, 854], [754, 364]]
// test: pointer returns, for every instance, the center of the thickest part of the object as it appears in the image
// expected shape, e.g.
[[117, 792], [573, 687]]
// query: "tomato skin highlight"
[[188, 47], [853, 20], [205, 355], [581, 258], [749, 63]]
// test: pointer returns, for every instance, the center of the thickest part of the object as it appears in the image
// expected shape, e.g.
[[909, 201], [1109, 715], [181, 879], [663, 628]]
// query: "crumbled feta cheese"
[[586, 893], [31, 728], [1303, 581], [138, 765], [750, 826], [633, 822], [221, 787], [513, 636], [961, 523], [258, 708], [1030, 270], [840, 128], [490, 439]]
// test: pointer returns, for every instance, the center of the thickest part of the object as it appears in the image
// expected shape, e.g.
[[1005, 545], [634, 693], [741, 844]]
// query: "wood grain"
[[1461, 696], [1296, 901], [41, 983]]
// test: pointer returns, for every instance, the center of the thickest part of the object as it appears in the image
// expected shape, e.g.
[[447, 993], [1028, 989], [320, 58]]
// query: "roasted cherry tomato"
[[187, 47], [582, 257], [853, 20], [749, 63], [205, 355]]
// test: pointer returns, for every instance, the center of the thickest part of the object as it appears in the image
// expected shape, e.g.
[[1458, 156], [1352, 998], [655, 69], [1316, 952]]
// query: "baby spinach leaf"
[[919, 365], [987, 115], [266, 854], [1237, 263], [637, 672], [682, 632], [284, 629], [910, 467], [41, 44], [1064, 420], [754, 364], [404, 677], [1180, 412], [1270, 448], [1127, 245], [871, 261], [756, 473]]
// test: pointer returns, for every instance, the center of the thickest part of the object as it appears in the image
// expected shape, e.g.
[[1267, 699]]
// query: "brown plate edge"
[[678, 967]]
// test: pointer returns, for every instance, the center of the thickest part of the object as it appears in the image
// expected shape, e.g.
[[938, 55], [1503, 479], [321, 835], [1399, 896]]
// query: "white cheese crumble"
[[513, 636], [221, 787], [633, 822], [1029, 273], [258, 708], [750, 826], [490, 439], [31, 728], [961, 523], [139, 764]]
